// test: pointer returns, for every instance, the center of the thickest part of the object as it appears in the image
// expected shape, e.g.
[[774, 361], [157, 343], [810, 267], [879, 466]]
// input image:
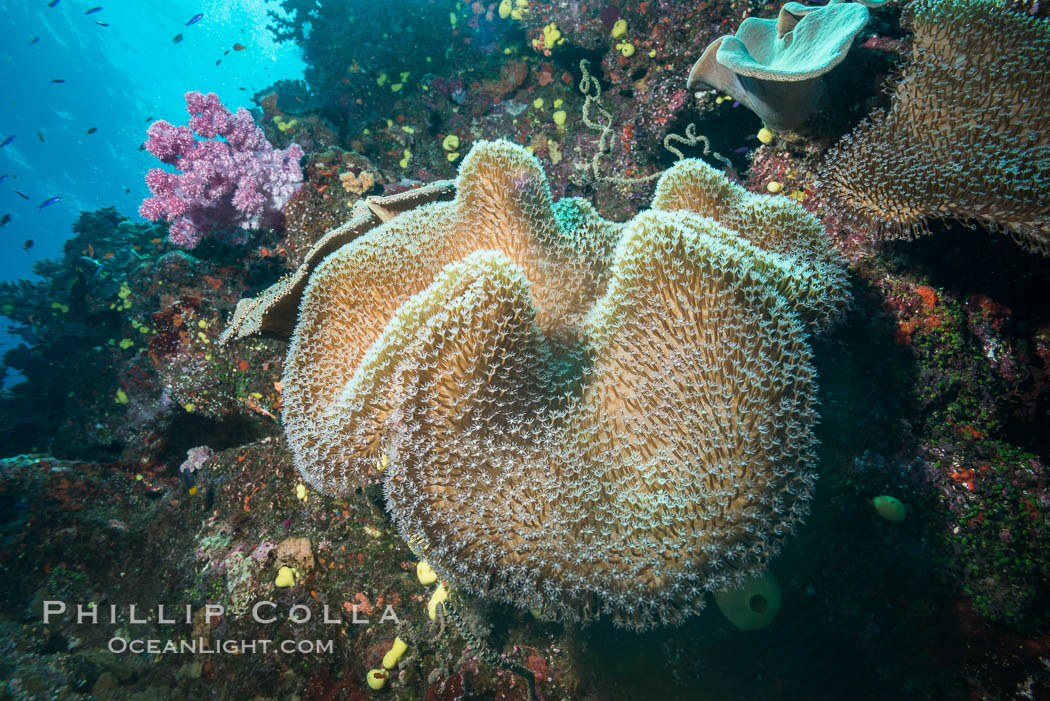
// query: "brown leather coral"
[[567, 413], [965, 135]]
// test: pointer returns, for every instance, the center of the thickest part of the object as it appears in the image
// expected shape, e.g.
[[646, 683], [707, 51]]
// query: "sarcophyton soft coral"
[[567, 413], [944, 149]]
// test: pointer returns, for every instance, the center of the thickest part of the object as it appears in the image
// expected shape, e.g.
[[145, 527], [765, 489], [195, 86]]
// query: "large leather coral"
[[566, 413], [965, 135]]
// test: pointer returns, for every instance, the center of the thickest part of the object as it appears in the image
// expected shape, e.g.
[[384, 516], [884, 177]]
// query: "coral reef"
[[361, 79], [230, 178], [934, 392], [288, 97], [81, 333], [946, 150]]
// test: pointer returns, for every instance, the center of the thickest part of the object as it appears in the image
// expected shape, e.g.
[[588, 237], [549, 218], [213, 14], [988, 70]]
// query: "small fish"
[[177, 39], [5, 219], [244, 89], [218, 62], [742, 149], [34, 40], [226, 52], [7, 140], [149, 118], [195, 19], [27, 245], [93, 10], [48, 202], [52, 3], [101, 24], [189, 481], [239, 47], [58, 80], [39, 136], [92, 130], [21, 194], [3, 177], [736, 103]]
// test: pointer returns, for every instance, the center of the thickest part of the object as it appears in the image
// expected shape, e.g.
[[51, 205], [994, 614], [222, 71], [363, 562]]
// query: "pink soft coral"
[[229, 178]]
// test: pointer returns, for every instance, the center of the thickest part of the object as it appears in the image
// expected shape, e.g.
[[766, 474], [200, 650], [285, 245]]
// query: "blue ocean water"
[[121, 69]]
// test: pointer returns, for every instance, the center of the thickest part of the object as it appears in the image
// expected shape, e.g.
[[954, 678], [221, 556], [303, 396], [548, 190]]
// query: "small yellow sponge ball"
[[391, 658], [425, 572], [376, 679], [285, 577], [451, 143], [774, 187], [765, 135], [559, 117], [440, 594], [619, 28]]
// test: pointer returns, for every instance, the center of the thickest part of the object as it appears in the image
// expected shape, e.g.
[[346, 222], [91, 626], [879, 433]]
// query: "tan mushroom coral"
[[579, 416], [965, 135]]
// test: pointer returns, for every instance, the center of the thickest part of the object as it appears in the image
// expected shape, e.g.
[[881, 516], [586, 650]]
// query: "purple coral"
[[230, 177], [195, 457]]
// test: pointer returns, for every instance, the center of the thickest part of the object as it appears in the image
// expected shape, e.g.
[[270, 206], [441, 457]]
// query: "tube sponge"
[[376, 679], [752, 606], [393, 655]]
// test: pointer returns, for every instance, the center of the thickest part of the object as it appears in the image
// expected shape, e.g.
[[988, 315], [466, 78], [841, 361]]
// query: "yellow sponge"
[[440, 594], [426, 573], [392, 656], [376, 679], [285, 577]]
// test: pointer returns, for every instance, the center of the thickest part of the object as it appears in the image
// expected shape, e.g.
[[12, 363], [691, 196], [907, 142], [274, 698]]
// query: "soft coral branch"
[[227, 176]]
